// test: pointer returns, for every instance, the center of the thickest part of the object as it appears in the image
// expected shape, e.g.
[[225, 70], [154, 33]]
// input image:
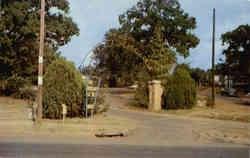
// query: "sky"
[[96, 17]]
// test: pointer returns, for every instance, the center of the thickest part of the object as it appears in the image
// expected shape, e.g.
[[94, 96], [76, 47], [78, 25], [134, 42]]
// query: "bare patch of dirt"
[[14, 122]]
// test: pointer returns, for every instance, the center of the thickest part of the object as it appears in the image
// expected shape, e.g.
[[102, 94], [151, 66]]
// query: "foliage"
[[184, 66], [210, 102], [113, 63], [197, 74], [150, 36], [174, 24], [26, 93], [14, 83], [20, 30], [179, 91], [100, 107], [237, 52], [63, 84], [142, 91]]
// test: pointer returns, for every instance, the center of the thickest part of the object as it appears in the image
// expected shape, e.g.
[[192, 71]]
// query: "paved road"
[[21, 150]]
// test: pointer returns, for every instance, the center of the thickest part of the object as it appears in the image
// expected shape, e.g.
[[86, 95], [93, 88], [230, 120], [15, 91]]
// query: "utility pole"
[[213, 54], [40, 67]]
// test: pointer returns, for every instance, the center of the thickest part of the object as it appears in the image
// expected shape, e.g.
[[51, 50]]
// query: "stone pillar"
[[155, 94]]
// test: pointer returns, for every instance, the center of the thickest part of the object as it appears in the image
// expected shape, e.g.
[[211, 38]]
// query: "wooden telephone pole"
[[40, 68], [213, 54]]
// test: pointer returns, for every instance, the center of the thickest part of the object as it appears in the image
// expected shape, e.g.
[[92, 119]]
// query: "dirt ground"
[[226, 108], [181, 127], [14, 122], [227, 122]]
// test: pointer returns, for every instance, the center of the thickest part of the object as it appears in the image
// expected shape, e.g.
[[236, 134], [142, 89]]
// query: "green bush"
[[63, 84], [101, 107], [27, 93], [209, 102], [142, 91], [179, 91], [14, 83], [142, 94]]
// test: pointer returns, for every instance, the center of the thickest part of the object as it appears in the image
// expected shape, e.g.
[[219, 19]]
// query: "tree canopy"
[[151, 35], [237, 51], [19, 34], [175, 25]]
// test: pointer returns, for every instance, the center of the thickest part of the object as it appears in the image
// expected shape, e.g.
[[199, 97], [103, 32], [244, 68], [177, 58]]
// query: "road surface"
[[24, 150]]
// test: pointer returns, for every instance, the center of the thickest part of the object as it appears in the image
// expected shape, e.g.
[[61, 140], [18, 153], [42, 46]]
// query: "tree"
[[175, 25], [19, 34], [113, 63], [237, 51], [151, 35], [197, 74]]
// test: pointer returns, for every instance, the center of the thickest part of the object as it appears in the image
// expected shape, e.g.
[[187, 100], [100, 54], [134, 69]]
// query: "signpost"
[[64, 111]]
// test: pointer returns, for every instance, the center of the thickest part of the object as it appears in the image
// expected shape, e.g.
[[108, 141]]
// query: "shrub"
[[27, 93], [14, 83], [19, 87], [101, 107], [179, 91], [63, 84], [142, 91], [209, 101]]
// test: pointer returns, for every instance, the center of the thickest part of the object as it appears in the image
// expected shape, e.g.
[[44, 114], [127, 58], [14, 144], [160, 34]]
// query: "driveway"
[[162, 129]]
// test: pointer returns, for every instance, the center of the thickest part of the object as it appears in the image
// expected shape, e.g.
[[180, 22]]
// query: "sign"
[[64, 109]]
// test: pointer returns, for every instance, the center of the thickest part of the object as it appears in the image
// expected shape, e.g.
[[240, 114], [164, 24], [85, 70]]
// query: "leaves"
[[151, 35], [237, 51], [20, 29], [176, 25], [67, 89]]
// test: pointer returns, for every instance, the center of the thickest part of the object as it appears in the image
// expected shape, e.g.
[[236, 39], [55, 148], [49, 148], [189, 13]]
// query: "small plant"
[[99, 107], [210, 102]]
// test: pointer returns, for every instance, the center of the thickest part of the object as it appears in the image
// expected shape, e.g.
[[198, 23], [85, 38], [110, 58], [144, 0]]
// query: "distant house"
[[217, 79], [223, 81]]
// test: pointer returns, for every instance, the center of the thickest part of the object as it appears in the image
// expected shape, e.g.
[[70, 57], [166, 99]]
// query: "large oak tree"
[[151, 34]]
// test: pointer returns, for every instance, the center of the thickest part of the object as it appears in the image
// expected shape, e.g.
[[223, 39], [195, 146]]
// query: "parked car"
[[134, 86], [228, 92], [242, 90]]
